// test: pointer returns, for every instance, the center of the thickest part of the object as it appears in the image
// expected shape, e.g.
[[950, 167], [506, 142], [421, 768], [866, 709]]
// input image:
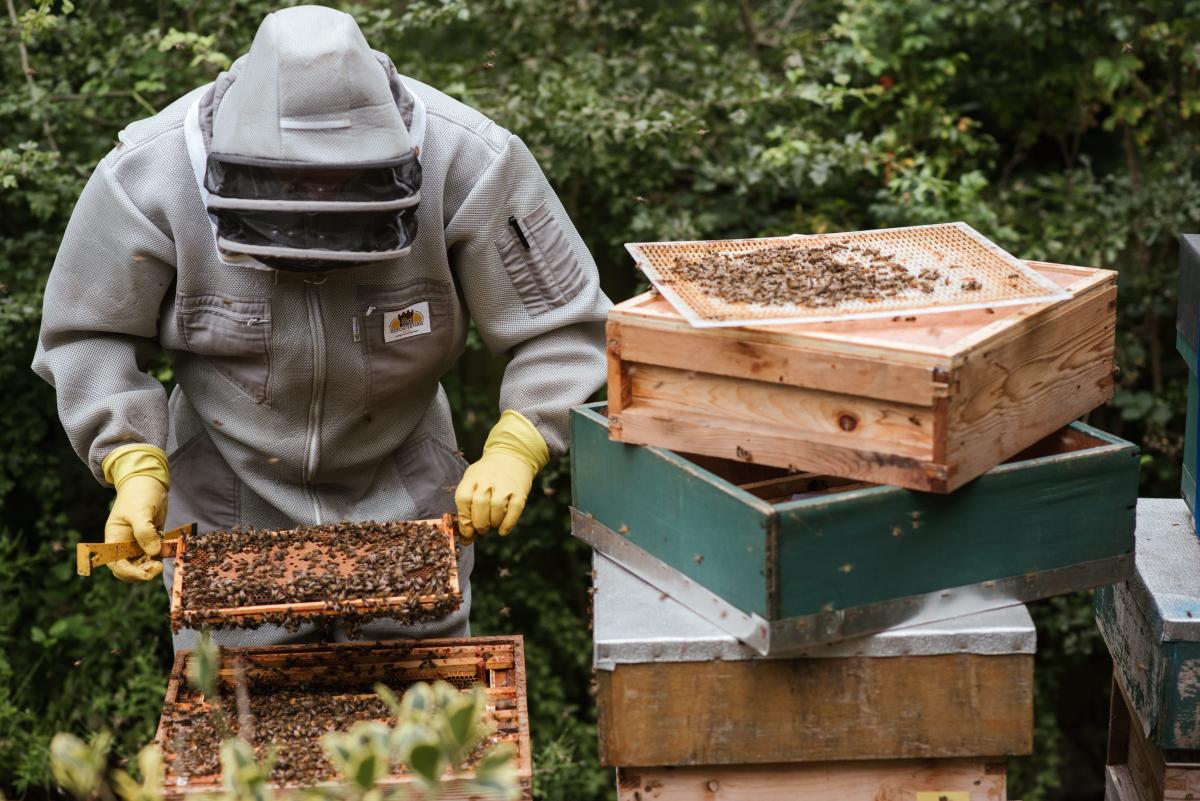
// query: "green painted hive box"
[[810, 559], [1151, 625]]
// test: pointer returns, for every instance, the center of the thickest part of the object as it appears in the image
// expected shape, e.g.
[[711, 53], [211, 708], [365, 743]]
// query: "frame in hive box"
[[288, 674], [926, 402]]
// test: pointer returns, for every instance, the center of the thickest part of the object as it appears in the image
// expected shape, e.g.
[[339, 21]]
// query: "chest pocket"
[[232, 334], [407, 335]]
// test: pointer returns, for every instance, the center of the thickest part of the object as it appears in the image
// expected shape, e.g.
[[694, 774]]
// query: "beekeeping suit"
[[308, 237]]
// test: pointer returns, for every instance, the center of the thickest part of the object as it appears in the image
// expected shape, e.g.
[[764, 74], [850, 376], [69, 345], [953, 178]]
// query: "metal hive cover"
[[960, 256]]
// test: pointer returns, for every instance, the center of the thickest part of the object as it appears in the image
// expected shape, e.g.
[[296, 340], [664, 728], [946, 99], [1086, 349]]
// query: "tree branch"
[[28, 70]]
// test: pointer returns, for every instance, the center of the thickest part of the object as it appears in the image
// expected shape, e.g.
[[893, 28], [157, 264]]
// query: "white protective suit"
[[310, 398]]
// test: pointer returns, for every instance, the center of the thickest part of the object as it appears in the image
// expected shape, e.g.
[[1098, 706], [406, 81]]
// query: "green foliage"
[[1064, 131], [437, 727]]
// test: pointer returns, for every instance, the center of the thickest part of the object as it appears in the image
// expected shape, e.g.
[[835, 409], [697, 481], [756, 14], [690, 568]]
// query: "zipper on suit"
[[312, 297]]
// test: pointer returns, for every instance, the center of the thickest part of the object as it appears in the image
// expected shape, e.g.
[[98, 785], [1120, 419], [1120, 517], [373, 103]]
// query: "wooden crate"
[[925, 402], [815, 709], [252, 614], [849, 560], [673, 689], [907, 779], [496, 663], [1151, 625], [1137, 769]]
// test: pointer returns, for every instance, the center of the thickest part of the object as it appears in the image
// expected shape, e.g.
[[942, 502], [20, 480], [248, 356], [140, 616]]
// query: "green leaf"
[[426, 761]]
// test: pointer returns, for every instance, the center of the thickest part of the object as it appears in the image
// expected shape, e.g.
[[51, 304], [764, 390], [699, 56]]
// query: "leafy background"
[[1062, 130]]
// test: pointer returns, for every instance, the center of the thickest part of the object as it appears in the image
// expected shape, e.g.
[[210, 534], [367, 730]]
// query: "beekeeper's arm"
[[534, 293], [99, 333]]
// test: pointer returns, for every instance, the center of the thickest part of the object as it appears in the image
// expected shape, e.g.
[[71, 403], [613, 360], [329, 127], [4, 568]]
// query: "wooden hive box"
[[799, 559], [1151, 625], [1137, 769], [675, 690], [1187, 483], [287, 674], [926, 402]]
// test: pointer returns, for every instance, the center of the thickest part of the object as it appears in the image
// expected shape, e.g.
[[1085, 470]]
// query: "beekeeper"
[[309, 236]]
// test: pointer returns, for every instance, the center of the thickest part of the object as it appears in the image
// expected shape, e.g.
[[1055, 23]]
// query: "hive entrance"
[[826, 277]]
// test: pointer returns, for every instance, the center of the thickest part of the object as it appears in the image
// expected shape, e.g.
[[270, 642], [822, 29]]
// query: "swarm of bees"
[[358, 571], [820, 276]]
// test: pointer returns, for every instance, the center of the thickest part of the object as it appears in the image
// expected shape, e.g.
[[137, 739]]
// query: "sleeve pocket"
[[543, 268]]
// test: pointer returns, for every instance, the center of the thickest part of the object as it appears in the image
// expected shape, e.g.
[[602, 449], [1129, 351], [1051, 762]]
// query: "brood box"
[[329, 561], [926, 402], [1151, 624], [799, 559], [960, 688], [291, 677]]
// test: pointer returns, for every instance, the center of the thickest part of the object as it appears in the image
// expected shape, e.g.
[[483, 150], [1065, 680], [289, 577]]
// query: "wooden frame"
[[240, 615], [1137, 769], [924, 402], [815, 709], [979, 779], [498, 663]]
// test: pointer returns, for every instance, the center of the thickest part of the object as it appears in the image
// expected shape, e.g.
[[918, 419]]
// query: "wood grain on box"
[[926, 402], [815, 709]]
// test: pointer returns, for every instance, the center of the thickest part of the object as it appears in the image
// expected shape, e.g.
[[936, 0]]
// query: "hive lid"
[[1166, 579], [635, 623], [971, 273]]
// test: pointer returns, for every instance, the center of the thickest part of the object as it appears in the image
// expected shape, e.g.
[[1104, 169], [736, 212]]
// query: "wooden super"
[[926, 402]]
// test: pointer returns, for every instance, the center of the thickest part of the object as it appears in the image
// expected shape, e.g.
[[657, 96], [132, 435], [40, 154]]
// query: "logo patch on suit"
[[408, 322]]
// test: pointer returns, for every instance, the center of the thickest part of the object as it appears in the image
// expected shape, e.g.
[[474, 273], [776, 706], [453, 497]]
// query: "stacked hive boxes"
[[763, 479], [1151, 625], [929, 709]]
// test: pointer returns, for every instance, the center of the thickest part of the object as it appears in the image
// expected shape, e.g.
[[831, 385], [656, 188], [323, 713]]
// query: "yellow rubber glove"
[[139, 472], [493, 491]]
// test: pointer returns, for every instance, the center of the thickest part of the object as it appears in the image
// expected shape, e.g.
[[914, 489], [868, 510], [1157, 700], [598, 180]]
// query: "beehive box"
[[1151, 625], [296, 677], [1187, 484], [280, 560], [798, 559], [675, 690], [917, 779], [926, 402], [1137, 770]]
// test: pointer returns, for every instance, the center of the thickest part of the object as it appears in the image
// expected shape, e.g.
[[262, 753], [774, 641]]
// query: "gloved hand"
[[493, 491], [139, 472]]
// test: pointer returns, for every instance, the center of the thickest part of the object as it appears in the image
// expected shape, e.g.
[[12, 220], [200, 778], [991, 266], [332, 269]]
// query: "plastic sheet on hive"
[[970, 272]]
